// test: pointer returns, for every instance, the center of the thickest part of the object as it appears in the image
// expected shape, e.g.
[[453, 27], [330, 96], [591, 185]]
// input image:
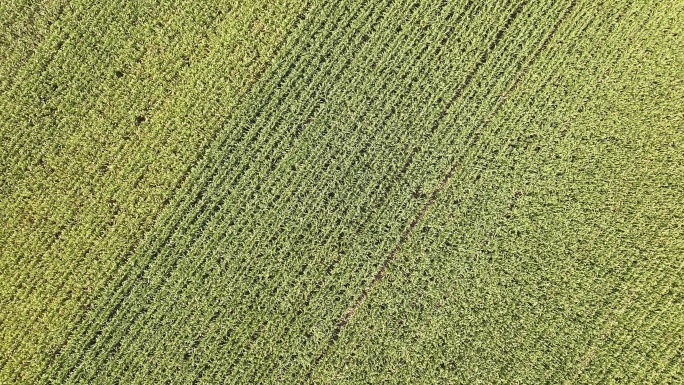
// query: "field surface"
[[296, 191]]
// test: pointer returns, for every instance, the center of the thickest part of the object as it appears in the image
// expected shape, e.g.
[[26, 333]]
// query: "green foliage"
[[404, 192], [103, 112]]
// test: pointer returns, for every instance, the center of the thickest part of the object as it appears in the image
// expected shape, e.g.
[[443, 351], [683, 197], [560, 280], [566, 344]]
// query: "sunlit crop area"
[[341, 192]]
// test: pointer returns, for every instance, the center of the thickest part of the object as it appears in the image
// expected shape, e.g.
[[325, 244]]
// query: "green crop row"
[[555, 254], [342, 192], [99, 125], [302, 199]]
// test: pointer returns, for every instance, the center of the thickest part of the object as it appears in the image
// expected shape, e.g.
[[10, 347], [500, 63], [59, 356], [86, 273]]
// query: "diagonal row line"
[[382, 271]]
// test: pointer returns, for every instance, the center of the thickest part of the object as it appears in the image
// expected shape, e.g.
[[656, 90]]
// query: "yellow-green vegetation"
[[342, 192], [105, 108]]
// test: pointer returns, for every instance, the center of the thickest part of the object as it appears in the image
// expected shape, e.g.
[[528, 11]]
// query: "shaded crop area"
[[342, 192]]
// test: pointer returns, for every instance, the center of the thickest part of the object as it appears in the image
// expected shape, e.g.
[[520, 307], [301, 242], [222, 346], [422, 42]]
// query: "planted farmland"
[[306, 192]]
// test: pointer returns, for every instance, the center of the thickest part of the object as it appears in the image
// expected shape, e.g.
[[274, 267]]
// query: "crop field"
[[345, 192]]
